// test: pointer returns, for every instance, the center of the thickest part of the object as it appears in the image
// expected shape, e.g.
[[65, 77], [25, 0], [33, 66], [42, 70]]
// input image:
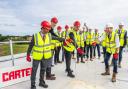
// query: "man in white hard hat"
[[123, 40], [112, 48]]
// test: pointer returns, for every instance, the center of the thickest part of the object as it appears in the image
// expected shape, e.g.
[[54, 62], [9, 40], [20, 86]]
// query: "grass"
[[17, 48]]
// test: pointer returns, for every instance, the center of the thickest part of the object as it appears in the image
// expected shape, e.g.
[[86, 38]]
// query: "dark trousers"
[[68, 60], [98, 50], [120, 54], [85, 48], [63, 52], [56, 56], [43, 66], [114, 61], [80, 56], [89, 47], [104, 52]]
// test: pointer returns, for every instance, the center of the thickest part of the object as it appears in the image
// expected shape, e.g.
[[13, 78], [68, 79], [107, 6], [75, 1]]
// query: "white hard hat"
[[109, 25], [121, 23]]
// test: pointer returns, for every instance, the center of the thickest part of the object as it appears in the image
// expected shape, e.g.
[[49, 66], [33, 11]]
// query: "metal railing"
[[10, 42]]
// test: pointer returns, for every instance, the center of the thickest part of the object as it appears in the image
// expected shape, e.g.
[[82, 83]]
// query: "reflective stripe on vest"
[[89, 38], [121, 36], [42, 49], [111, 44]]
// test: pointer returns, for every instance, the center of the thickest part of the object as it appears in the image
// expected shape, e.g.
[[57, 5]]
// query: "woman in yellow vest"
[[112, 48], [41, 48], [123, 41]]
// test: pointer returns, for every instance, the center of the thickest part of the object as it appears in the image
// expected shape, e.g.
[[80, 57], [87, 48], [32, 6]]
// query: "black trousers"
[[89, 48], [43, 65], [56, 56], [68, 60]]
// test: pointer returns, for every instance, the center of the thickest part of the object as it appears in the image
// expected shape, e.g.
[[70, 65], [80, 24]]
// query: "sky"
[[23, 17]]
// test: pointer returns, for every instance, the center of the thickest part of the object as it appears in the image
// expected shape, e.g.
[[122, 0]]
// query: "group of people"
[[45, 48]]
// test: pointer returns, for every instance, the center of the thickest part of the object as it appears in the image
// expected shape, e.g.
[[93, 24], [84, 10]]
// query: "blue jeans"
[[120, 54], [107, 58], [98, 50]]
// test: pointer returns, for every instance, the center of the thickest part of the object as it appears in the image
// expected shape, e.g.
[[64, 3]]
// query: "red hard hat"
[[45, 25], [54, 20], [77, 23], [59, 28], [66, 27]]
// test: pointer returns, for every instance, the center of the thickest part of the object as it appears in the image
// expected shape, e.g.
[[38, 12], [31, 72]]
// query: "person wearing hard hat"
[[89, 41], [41, 48], [54, 21], [112, 48], [80, 42], [123, 40], [39, 55], [96, 39], [103, 43], [58, 46], [64, 35], [71, 47]]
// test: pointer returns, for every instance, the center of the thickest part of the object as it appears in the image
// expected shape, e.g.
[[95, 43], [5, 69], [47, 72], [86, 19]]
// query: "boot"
[[43, 84], [91, 59], [70, 74], [33, 87], [114, 77], [50, 76], [107, 72], [82, 61], [66, 70], [119, 65]]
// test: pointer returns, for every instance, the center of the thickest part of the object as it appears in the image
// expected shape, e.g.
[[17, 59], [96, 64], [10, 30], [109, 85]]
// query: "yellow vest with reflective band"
[[80, 40], [42, 49], [89, 38], [69, 47], [110, 43], [121, 36], [96, 37], [58, 43], [76, 35], [103, 43]]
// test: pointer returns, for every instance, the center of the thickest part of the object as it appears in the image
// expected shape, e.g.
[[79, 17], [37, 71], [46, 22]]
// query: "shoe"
[[69, 70], [33, 87], [71, 75], [114, 77], [82, 61], [50, 78], [43, 84], [107, 72], [59, 62], [91, 59]]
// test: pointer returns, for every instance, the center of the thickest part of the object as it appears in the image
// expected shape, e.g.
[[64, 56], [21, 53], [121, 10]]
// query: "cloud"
[[26, 15]]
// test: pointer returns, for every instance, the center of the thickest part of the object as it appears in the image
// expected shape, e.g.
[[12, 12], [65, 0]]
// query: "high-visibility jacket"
[[42, 49], [80, 40], [89, 38], [121, 36], [69, 47], [58, 43], [111, 43], [96, 38], [65, 34], [103, 43]]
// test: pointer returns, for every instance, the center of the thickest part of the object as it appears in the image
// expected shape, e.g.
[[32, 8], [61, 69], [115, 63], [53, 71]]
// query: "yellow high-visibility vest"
[[58, 43], [110, 43], [121, 36], [96, 38], [103, 43], [80, 40], [42, 49], [89, 38]]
